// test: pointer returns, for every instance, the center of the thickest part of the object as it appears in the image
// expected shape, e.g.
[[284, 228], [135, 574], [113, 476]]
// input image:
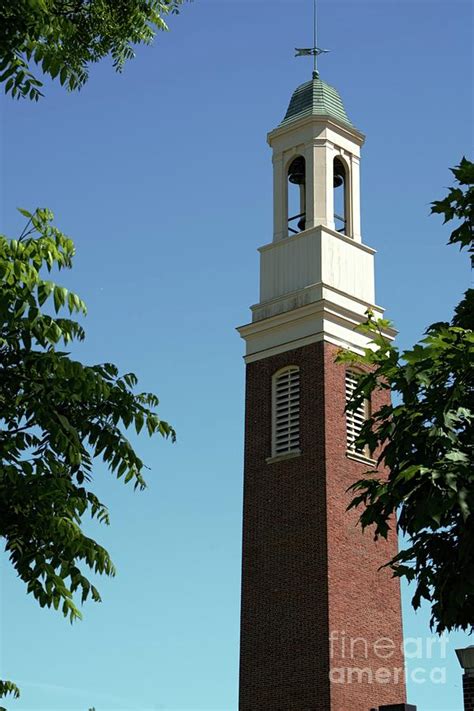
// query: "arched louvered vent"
[[286, 411], [354, 418]]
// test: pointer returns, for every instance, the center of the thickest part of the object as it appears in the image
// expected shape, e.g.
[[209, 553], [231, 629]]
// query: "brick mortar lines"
[[297, 569]]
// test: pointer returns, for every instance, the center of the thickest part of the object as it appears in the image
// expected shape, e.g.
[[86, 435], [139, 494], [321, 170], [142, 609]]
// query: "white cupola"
[[318, 149], [316, 276]]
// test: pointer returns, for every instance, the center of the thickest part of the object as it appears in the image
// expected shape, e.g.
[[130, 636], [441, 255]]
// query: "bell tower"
[[319, 158], [321, 624]]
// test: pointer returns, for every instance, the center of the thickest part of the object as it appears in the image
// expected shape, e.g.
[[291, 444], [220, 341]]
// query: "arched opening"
[[340, 196], [297, 195]]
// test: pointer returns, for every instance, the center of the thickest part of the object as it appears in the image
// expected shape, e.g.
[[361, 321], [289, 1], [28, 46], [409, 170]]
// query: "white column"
[[355, 198], [280, 199], [323, 188], [310, 206], [348, 197]]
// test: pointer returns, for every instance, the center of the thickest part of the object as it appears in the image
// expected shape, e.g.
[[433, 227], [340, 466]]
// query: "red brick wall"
[[306, 569], [468, 690], [364, 602]]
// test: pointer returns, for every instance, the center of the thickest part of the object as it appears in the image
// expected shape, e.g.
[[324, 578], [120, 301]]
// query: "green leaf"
[[63, 74], [60, 294]]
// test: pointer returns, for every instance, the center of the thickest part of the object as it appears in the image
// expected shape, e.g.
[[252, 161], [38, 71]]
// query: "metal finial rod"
[[313, 51], [315, 37]]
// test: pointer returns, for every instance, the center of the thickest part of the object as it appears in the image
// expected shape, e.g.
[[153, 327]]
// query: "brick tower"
[[320, 624]]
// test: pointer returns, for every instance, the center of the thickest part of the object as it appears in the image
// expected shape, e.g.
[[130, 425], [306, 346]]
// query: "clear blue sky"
[[162, 176]]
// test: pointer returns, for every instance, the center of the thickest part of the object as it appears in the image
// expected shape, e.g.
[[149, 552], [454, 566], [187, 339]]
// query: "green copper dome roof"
[[315, 98]]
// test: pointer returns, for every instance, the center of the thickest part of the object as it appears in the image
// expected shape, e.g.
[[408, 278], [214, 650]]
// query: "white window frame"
[[286, 396]]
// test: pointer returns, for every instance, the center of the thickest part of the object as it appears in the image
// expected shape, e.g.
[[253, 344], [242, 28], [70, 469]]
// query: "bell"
[[297, 171], [339, 173], [302, 223], [338, 180]]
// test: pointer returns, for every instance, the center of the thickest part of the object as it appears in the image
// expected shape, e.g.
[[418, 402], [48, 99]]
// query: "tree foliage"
[[64, 37], [8, 688], [56, 415], [425, 438], [57, 418], [459, 205]]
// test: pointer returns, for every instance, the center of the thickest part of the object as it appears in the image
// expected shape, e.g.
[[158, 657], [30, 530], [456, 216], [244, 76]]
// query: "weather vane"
[[313, 51]]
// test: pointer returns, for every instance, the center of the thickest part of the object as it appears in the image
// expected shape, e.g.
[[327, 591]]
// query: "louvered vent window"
[[356, 418], [286, 411]]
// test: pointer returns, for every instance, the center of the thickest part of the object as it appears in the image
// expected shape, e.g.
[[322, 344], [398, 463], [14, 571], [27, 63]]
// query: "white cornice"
[[320, 307], [316, 293], [323, 228], [322, 320], [299, 343], [351, 133]]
